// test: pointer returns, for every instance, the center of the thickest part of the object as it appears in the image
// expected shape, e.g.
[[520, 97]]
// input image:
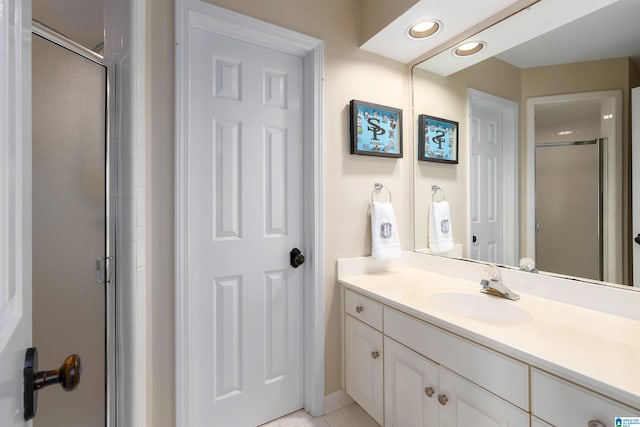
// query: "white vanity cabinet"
[[406, 372], [465, 404], [364, 357], [450, 366], [427, 373], [561, 403], [421, 393], [410, 387], [451, 362], [503, 376]]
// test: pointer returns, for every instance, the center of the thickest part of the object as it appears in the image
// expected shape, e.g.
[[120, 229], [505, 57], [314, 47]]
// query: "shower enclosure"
[[569, 187]]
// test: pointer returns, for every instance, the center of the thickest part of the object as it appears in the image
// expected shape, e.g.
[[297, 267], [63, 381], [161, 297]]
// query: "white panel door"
[[635, 185], [410, 388], [486, 184], [364, 366], [244, 154], [466, 404], [15, 205]]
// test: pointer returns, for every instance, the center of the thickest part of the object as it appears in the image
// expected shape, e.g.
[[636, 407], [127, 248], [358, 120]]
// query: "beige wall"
[[159, 214], [446, 97], [349, 74], [375, 15]]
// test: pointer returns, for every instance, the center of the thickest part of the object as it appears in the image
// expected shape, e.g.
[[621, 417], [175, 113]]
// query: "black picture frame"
[[437, 139], [376, 130]]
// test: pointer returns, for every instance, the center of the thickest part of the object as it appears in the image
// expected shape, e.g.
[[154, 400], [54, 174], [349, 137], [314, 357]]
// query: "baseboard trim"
[[336, 400]]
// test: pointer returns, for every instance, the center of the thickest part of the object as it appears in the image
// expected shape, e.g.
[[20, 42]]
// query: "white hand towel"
[[440, 232], [384, 232]]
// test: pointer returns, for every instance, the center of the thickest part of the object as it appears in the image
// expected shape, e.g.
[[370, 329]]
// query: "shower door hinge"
[[103, 269]]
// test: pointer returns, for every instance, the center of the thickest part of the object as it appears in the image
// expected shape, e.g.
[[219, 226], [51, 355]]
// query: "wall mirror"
[[544, 153]]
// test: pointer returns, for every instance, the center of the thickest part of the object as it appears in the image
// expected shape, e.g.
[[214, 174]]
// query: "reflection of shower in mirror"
[[575, 156]]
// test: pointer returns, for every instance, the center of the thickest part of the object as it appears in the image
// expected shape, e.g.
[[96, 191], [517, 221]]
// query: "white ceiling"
[[539, 19], [611, 32], [457, 16], [78, 20]]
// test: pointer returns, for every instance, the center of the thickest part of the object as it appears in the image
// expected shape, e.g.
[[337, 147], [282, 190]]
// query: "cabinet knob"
[[429, 391], [359, 309], [442, 399], [596, 423], [375, 354]]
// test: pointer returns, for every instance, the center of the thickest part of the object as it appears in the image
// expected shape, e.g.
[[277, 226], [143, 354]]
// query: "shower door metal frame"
[[111, 184]]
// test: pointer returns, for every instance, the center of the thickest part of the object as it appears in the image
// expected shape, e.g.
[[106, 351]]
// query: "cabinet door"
[[465, 404], [410, 388], [576, 407], [364, 364]]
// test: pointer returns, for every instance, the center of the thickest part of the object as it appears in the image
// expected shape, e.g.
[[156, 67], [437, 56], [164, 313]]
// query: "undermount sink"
[[484, 308]]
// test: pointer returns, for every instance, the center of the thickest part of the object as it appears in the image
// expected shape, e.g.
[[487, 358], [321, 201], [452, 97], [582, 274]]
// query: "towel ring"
[[434, 193], [377, 187]]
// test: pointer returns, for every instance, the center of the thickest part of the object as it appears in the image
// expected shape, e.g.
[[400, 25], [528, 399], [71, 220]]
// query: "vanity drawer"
[[499, 374], [561, 403], [363, 308]]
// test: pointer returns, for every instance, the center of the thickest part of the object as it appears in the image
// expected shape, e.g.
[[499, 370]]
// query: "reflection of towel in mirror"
[[440, 233], [384, 232]]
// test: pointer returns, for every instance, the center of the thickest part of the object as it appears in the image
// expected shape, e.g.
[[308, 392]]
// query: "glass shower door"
[[569, 208], [69, 228]]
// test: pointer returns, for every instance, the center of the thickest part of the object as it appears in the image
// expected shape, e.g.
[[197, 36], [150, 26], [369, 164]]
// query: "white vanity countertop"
[[597, 350]]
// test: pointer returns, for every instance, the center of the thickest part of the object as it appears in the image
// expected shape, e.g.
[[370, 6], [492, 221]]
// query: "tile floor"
[[349, 416]]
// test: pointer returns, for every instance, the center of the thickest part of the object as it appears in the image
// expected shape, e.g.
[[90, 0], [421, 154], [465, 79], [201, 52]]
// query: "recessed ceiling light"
[[469, 48], [424, 29]]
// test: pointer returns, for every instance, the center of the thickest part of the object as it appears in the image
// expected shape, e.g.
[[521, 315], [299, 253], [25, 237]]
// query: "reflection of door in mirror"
[[486, 185], [493, 179]]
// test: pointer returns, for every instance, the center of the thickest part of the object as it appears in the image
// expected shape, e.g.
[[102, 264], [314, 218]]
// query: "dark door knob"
[[67, 375], [637, 239], [474, 239], [296, 259]]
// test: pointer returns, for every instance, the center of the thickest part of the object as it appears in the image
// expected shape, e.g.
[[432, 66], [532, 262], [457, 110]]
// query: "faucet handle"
[[493, 272], [485, 284]]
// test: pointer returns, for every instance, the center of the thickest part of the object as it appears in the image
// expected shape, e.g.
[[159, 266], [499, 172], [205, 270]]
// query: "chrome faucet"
[[494, 285]]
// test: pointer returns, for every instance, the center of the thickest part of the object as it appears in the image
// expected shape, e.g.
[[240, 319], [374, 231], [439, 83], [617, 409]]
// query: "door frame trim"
[[15, 189], [635, 178], [509, 110], [197, 14]]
